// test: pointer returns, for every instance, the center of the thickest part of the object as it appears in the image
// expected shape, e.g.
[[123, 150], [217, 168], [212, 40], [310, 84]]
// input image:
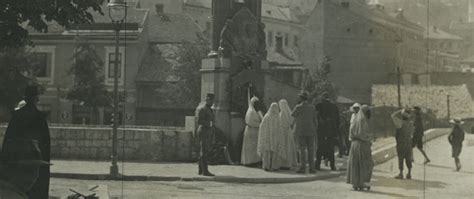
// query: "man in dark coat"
[[455, 138], [403, 137], [20, 162], [28, 123], [305, 130], [205, 122], [328, 120]]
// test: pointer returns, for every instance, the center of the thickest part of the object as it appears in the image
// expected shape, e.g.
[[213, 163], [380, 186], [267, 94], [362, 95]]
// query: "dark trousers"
[[306, 143], [204, 143], [326, 149], [404, 152]]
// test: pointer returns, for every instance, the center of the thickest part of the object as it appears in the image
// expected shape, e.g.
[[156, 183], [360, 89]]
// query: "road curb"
[[380, 156]]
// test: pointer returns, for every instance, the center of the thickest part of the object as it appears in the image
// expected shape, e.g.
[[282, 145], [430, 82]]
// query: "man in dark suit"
[[328, 120], [305, 130], [205, 122], [28, 123]]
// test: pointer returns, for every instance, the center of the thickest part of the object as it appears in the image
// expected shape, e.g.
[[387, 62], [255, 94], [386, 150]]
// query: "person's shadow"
[[413, 184]]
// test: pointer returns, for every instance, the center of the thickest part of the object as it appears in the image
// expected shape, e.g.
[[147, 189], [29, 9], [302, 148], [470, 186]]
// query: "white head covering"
[[360, 130], [268, 128], [252, 118], [285, 112]]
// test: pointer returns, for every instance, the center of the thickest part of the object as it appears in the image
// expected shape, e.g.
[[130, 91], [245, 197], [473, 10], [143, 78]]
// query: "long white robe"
[[269, 147], [286, 121], [250, 141]]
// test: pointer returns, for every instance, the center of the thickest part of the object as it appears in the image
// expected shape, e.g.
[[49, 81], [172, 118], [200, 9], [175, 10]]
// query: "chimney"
[[159, 8]]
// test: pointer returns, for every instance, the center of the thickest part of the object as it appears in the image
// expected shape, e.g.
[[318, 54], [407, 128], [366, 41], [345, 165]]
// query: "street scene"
[[126, 99]]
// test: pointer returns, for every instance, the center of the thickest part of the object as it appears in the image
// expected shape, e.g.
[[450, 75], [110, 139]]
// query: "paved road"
[[435, 180]]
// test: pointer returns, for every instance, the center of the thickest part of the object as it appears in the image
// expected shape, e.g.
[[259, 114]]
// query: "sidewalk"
[[383, 150]]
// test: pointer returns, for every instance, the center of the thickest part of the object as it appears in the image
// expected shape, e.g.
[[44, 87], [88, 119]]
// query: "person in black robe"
[[328, 128], [28, 123]]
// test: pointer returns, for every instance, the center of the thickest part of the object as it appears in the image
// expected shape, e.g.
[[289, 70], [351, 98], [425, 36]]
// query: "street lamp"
[[117, 13]]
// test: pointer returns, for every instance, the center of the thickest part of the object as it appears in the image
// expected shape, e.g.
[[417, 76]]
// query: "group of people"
[[25, 155]]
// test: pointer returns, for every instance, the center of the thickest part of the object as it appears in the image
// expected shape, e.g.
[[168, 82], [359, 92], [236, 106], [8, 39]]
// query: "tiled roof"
[[278, 13], [436, 33], [432, 97], [288, 57], [171, 28], [158, 62]]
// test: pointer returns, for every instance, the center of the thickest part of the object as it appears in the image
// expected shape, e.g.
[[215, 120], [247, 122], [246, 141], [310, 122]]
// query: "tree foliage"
[[15, 64], [89, 88], [318, 82], [16, 15], [185, 91]]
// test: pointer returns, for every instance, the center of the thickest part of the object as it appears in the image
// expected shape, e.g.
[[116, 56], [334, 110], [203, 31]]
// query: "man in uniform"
[[20, 162], [28, 123], [328, 120], [205, 122]]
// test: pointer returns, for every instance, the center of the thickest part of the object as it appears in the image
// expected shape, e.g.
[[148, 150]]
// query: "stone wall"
[[136, 144]]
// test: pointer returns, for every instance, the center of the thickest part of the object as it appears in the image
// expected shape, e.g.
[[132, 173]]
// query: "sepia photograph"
[[152, 99]]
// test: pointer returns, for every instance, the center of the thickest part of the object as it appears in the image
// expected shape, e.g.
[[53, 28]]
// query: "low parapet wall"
[[138, 144]]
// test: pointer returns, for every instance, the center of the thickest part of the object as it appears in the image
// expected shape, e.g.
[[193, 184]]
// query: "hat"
[[356, 105], [210, 96], [456, 121], [31, 91], [22, 152], [303, 94]]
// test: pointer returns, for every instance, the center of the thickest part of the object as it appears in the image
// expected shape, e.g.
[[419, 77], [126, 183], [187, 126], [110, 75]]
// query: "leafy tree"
[[89, 88], [185, 89], [16, 15], [318, 82], [15, 63]]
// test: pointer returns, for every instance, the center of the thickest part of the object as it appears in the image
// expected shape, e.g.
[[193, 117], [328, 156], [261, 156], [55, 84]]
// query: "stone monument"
[[233, 67]]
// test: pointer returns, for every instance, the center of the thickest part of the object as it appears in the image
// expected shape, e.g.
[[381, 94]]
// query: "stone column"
[[214, 79]]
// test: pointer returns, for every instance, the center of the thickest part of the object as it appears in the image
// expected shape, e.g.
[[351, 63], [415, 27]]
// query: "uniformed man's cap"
[[210, 96]]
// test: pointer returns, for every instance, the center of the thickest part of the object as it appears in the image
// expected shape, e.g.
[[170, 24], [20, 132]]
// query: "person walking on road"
[[360, 163], [305, 131], [455, 138], [28, 123], [205, 121], [403, 136], [419, 133]]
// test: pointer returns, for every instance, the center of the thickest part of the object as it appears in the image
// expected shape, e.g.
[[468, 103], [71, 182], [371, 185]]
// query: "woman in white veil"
[[253, 118], [286, 121], [360, 163], [269, 148]]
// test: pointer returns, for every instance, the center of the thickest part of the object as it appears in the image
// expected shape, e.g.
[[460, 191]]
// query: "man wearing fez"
[[205, 121], [28, 123], [20, 162], [328, 120]]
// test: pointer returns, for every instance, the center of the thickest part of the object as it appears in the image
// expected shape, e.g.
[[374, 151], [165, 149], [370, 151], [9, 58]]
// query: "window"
[[270, 38], [295, 41], [110, 65], [43, 63], [112, 61], [286, 39]]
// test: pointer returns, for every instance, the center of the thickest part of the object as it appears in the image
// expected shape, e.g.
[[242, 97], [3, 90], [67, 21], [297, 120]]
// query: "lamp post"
[[117, 13]]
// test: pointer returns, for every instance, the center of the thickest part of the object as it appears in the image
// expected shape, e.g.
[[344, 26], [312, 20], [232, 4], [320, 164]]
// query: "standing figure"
[[360, 163], [455, 139], [403, 136], [205, 121], [305, 131], [20, 162], [269, 146], [419, 133], [28, 123], [253, 118], [328, 120], [286, 121]]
